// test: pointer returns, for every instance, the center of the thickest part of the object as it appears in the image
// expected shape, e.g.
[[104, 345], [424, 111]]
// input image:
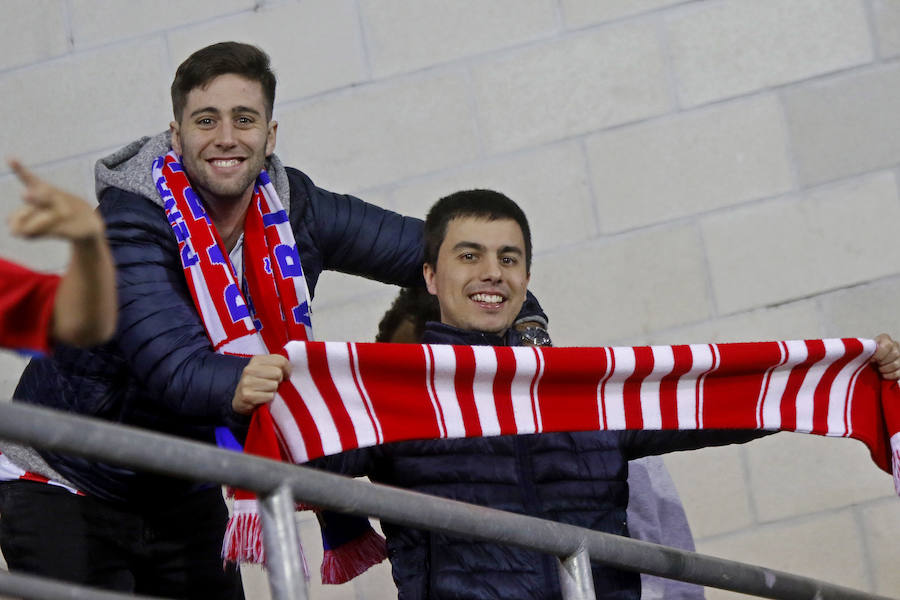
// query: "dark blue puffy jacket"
[[159, 371], [574, 478]]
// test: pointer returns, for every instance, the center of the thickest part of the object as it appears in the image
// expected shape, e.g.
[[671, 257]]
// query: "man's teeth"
[[490, 298], [226, 163]]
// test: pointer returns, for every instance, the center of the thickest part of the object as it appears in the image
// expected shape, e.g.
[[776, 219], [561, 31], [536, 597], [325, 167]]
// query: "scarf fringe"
[[243, 539], [345, 562], [895, 461]]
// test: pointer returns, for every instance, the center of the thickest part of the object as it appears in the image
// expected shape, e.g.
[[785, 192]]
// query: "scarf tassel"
[[353, 558], [243, 539], [244, 544]]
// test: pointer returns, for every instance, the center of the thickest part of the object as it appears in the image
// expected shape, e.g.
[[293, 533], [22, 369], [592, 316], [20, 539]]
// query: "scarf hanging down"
[[275, 310]]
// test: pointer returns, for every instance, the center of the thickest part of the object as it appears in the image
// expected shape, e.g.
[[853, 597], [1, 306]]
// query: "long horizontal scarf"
[[342, 396]]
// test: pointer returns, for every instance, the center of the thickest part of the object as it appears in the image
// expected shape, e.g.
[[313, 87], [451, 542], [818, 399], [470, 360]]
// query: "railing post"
[[284, 559], [575, 578]]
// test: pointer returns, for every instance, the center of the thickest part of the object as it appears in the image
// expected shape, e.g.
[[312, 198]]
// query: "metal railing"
[[279, 485]]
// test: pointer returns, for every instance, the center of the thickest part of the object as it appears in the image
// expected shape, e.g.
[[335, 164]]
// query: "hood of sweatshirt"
[[130, 169]]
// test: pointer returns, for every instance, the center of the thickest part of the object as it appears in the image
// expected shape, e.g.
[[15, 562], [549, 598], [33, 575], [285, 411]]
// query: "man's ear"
[[175, 129], [270, 138], [428, 274]]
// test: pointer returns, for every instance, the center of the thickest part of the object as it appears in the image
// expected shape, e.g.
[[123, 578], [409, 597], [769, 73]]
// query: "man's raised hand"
[[48, 211]]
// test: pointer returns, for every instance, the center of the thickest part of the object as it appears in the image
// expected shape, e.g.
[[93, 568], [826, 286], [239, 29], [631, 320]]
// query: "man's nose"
[[225, 135], [491, 270]]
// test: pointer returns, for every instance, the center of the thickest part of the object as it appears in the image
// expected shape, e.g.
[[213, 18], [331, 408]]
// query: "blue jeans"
[[171, 550]]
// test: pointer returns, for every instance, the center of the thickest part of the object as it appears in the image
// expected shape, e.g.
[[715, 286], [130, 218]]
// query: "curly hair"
[[415, 305]]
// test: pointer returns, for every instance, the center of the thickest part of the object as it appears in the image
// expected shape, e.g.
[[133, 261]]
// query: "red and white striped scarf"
[[342, 396]]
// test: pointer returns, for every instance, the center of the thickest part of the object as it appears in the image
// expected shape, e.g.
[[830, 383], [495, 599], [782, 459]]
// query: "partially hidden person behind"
[[38, 310]]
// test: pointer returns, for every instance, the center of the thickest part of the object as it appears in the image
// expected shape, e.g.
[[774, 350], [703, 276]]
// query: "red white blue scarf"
[[275, 310], [271, 267]]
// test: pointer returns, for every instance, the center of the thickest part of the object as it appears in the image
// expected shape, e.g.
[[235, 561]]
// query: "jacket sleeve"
[[355, 237], [359, 238], [160, 334], [644, 443]]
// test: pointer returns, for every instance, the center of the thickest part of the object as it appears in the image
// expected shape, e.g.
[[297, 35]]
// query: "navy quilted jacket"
[[159, 371], [575, 478]]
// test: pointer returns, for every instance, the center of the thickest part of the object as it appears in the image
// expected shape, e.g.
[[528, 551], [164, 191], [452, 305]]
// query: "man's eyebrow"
[[205, 109], [511, 250], [244, 109], [235, 111], [464, 245]]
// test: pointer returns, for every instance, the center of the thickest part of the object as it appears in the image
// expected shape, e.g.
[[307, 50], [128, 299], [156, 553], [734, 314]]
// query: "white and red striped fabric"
[[10, 472], [343, 395]]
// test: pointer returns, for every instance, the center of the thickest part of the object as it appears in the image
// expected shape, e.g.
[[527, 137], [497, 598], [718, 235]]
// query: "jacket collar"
[[439, 333]]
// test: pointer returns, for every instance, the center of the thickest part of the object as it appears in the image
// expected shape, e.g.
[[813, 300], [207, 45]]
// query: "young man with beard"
[[478, 264], [216, 262]]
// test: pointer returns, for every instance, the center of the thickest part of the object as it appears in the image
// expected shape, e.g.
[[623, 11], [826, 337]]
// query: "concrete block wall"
[[694, 171]]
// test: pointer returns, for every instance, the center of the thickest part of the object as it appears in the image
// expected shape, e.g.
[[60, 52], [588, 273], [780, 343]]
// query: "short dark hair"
[[415, 305], [223, 58], [480, 204]]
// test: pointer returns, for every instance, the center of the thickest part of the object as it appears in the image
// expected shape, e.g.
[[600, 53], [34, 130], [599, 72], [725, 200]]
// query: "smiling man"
[[218, 247], [478, 264], [478, 259], [224, 134]]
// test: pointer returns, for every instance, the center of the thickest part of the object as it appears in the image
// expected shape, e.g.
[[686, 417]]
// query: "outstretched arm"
[[84, 311]]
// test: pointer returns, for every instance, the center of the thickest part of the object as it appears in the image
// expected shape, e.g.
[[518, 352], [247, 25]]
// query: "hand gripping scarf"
[[276, 311]]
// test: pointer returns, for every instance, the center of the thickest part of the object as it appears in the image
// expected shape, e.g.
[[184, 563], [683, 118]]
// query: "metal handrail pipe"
[[33, 587], [173, 456], [282, 544], [576, 581]]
